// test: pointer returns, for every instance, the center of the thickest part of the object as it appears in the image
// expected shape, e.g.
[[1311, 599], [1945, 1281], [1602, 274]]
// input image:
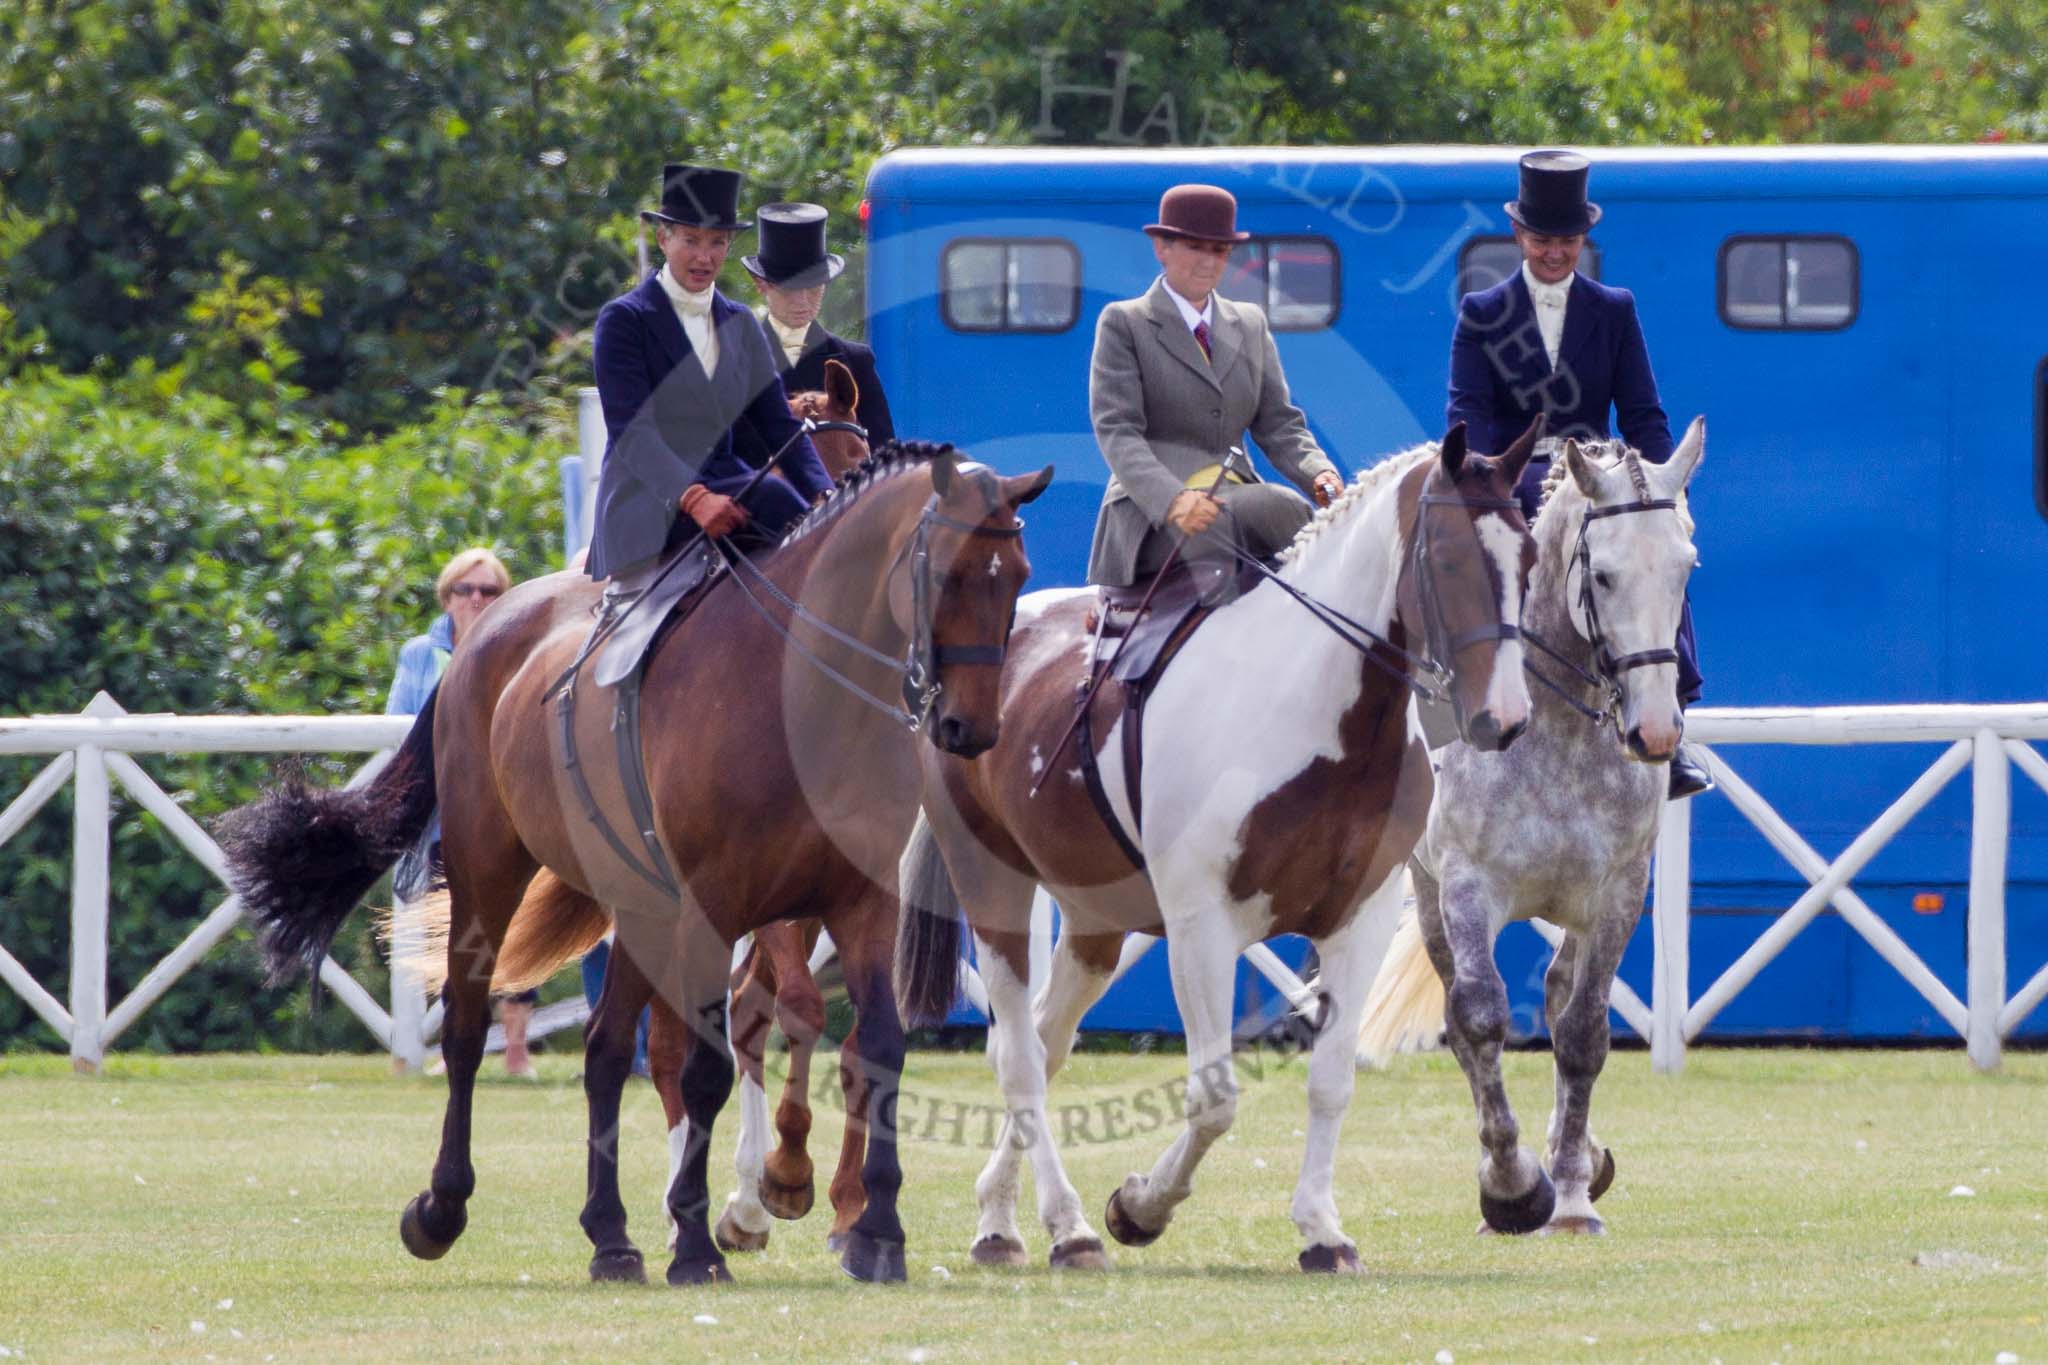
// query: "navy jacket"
[[1501, 376], [809, 373], [670, 426]]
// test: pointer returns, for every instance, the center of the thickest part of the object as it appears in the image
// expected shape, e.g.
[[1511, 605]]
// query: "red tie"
[[1202, 338]]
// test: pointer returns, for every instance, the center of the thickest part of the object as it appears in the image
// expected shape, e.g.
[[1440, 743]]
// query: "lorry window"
[[1294, 280], [1788, 283], [1014, 284]]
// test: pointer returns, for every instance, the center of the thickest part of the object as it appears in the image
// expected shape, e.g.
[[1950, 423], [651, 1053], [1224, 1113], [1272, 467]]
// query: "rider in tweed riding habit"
[[1549, 340], [1178, 376]]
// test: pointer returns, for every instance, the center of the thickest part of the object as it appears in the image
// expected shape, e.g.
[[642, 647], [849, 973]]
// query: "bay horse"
[[1284, 782], [1562, 827], [782, 784]]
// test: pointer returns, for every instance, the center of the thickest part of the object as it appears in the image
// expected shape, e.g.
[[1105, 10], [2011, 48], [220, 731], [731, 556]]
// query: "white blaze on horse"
[[1561, 827], [1283, 785]]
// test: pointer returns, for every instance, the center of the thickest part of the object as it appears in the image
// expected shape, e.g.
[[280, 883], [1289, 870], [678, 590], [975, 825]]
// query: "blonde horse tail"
[[554, 922], [1405, 1010]]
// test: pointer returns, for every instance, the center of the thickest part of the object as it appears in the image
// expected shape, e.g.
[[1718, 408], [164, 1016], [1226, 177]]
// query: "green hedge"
[[153, 546]]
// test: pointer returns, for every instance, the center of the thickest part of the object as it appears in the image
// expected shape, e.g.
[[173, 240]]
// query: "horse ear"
[[1032, 486], [943, 469], [1583, 474], [1685, 461], [1452, 451], [1515, 458], [840, 385]]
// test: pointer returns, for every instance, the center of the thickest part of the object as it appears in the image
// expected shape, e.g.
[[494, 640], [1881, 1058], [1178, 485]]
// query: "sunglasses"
[[484, 590]]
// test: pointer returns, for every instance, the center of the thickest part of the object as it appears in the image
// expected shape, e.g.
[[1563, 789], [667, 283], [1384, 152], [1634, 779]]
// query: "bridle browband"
[[925, 657], [1607, 666]]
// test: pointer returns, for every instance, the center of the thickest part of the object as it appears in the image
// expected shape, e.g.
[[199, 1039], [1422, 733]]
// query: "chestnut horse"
[[1284, 783], [782, 784]]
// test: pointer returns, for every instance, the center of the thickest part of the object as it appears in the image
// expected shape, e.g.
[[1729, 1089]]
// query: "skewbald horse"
[[776, 793], [1284, 784]]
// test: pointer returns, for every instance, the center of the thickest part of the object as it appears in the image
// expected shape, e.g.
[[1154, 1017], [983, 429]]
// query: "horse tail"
[[301, 857], [554, 922], [927, 933], [1404, 1012]]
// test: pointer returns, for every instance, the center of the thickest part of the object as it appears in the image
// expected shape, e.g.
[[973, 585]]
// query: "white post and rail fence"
[[95, 751]]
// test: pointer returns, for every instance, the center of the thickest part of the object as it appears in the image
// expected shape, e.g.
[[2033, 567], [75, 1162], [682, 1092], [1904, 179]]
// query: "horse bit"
[[1606, 679], [924, 657]]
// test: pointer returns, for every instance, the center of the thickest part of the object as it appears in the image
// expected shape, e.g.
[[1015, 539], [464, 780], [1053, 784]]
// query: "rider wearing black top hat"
[[790, 273], [1549, 340], [678, 364]]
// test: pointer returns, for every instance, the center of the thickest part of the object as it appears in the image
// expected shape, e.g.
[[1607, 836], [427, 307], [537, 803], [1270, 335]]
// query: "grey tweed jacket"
[[1162, 412]]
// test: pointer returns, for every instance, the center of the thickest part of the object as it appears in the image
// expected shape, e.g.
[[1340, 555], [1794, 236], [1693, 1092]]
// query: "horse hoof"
[[835, 1240], [730, 1236], [1079, 1253], [682, 1273], [1125, 1228], [1577, 1225], [871, 1260], [426, 1237], [1341, 1259], [1606, 1175], [997, 1249], [618, 1267], [787, 1202], [1525, 1214]]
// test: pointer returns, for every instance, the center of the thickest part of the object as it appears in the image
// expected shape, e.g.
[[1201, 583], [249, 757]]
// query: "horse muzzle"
[[1486, 733], [959, 737], [1654, 746]]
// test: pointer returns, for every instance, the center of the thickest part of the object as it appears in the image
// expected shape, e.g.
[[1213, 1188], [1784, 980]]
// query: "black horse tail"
[[927, 933], [301, 858]]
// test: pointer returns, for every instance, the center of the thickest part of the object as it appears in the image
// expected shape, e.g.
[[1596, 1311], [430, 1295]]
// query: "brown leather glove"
[[1193, 511], [715, 512]]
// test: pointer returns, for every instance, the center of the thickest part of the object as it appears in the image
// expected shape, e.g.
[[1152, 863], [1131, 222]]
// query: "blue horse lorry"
[[1862, 327]]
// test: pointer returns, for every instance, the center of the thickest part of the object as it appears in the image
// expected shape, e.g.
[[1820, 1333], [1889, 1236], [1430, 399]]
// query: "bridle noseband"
[[1607, 666], [921, 686], [1444, 647], [922, 660]]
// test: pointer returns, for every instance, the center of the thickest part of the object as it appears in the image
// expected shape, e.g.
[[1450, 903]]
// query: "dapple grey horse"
[[1561, 826]]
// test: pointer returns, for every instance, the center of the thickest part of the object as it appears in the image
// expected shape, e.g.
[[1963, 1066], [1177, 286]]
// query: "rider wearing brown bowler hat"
[[1178, 376]]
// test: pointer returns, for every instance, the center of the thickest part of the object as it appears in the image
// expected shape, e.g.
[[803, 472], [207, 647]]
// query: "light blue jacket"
[[420, 665]]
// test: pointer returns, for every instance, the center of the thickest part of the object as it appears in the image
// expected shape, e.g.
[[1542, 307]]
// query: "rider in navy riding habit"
[[1549, 340]]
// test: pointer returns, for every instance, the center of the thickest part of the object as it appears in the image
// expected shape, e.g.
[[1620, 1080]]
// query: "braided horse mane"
[[1361, 488], [883, 463]]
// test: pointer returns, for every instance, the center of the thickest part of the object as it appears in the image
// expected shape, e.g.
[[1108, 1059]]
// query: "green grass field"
[[1790, 1206]]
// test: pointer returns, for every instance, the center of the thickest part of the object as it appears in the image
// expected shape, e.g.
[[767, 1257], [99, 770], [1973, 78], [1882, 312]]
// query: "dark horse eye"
[[1600, 577]]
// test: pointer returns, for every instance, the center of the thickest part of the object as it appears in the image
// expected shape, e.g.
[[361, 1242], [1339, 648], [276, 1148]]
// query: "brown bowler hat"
[[1206, 213]]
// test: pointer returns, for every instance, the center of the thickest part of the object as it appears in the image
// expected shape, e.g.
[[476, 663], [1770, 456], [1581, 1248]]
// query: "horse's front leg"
[[1515, 1195], [706, 1084], [1081, 967], [1350, 960], [1579, 1035], [1017, 1051], [1202, 954], [873, 1250]]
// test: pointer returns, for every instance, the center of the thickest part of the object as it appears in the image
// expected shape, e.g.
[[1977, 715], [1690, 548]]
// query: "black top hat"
[[1553, 195], [1206, 213], [793, 251], [698, 196]]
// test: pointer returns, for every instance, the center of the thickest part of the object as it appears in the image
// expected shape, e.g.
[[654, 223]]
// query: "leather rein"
[[924, 657], [1605, 679]]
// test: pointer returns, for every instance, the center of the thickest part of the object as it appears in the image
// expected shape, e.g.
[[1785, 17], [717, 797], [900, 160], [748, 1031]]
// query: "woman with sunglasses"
[[471, 582]]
